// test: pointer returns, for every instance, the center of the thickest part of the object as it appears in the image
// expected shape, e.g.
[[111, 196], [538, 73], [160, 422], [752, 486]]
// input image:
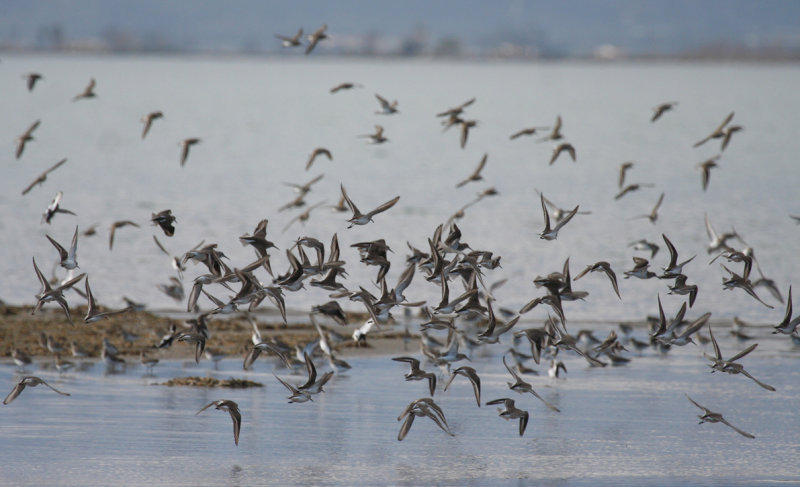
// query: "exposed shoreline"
[[230, 335]]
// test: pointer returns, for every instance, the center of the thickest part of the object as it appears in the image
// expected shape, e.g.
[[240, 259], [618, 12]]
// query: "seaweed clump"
[[211, 382]]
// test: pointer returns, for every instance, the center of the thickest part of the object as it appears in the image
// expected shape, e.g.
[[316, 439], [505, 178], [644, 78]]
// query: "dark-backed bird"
[[552, 233], [661, 109], [148, 121], [113, 230], [233, 410], [718, 133], [563, 147], [185, 145], [31, 79], [165, 220], [55, 207], [359, 218], [386, 107], [345, 86], [41, 178], [293, 41], [26, 137], [705, 170], [315, 37], [319, 151], [87, 92], [710, 416], [28, 381], [476, 174], [510, 411]]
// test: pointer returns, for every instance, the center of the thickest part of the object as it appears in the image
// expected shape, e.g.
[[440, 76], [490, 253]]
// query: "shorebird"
[[653, 215], [345, 86], [470, 374], [26, 137], [710, 416], [21, 358], [174, 289], [198, 339], [727, 133], [734, 280], [526, 131], [31, 79], [705, 168], [63, 366], [302, 217], [303, 392], [555, 367], [359, 218], [623, 170], [315, 37], [552, 233], [360, 333], [423, 407], [233, 410], [55, 207], [87, 92], [632, 187], [258, 240], [661, 109], [148, 121], [717, 241], [93, 314], [558, 213], [185, 145], [673, 269], [510, 411], [563, 147], [113, 230], [319, 151], [165, 220], [671, 338], [730, 366], [293, 41], [28, 381], [179, 267], [47, 293], [520, 386], [718, 133], [476, 174], [680, 287], [148, 362], [465, 126], [493, 329], [41, 178], [788, 325], [555, 132], [303, 189], [418, 374], [605, 267], [644, 245], [640, 270], [377, 137], [68, 258], [386, 107], [457, 110]]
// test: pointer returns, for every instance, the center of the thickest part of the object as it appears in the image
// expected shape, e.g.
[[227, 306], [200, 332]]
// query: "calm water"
[[619, 425], [260, 118]]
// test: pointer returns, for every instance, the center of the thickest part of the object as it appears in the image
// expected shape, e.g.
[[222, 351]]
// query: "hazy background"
[[764, 29]]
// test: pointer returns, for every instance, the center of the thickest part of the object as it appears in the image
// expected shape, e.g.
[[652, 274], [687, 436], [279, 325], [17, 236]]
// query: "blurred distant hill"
[[507, 28]]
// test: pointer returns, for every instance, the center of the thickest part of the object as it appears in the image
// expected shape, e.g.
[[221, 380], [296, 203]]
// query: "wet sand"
[[230, 334]]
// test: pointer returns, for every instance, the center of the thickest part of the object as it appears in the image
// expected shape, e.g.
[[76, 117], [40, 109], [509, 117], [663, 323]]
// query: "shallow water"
[[626, 425], [260, 118]]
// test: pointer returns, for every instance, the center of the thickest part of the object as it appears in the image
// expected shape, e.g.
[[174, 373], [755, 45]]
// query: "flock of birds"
[[470, 319]]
